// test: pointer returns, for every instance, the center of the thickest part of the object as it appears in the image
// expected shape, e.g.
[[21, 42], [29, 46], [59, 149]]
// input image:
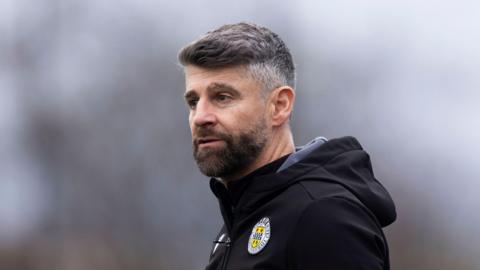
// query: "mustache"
[[208, 132]]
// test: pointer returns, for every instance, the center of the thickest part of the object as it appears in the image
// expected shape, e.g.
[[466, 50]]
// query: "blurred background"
[[95, 155]]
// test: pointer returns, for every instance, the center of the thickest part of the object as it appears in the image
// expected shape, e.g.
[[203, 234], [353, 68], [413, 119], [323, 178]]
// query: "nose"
[[203, 114]]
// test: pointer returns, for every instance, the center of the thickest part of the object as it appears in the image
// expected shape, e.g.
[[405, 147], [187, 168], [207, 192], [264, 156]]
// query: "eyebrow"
[[214, 87], [189, 94]]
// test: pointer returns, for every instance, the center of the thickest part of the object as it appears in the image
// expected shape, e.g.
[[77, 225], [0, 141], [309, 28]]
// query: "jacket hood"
[[342, 161]]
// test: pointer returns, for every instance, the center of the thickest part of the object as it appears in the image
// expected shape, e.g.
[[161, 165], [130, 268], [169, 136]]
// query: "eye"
[[192, 103], [223, 98]]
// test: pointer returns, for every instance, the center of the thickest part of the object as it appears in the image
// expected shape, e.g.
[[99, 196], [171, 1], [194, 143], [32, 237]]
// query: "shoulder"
[[334, 213], [339, 233]]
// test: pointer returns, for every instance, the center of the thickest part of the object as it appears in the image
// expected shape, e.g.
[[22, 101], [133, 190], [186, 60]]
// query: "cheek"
[[190, 122], [244, 120], [253, 113]]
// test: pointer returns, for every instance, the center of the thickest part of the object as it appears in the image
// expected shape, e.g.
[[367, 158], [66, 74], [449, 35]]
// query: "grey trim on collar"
[[301, 152]]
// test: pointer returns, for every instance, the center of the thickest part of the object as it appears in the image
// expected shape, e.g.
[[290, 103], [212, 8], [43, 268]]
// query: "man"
[[315, 207]]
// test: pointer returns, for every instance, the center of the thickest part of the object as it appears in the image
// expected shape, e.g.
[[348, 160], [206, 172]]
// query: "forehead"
[[200, 79]]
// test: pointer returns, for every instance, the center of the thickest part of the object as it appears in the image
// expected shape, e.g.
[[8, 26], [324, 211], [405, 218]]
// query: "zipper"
[[228, 212], [226, 254]]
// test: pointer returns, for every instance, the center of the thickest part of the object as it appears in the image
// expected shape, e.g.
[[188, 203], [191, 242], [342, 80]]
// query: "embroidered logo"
[[260, 236]]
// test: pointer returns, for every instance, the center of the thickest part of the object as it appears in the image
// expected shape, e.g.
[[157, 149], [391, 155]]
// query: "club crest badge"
[[259, 236]]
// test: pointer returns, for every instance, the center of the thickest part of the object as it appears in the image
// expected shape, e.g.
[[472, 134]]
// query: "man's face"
[[227, 119]]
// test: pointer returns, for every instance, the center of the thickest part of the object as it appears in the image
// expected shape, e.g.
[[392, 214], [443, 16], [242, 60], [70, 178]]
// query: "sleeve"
[[336, 234]]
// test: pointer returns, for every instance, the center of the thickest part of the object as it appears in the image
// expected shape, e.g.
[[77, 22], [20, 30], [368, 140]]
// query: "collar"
[[229, 198], [234, 190]]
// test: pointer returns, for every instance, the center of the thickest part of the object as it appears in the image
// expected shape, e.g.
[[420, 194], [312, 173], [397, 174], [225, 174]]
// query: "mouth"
[[208, 141]]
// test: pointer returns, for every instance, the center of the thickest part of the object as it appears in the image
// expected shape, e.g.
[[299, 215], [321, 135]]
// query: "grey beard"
[[237, 154]]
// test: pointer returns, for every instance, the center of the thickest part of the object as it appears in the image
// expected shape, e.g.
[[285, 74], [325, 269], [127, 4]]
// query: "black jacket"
[[321, 208]]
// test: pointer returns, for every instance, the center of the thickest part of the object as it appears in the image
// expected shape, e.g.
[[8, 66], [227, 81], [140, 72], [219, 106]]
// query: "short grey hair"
[[264, 55]]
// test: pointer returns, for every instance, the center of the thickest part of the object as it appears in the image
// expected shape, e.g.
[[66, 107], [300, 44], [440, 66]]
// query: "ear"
[[281, 104]]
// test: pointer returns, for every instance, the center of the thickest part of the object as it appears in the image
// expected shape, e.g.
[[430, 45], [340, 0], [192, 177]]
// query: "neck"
[[279, 145]]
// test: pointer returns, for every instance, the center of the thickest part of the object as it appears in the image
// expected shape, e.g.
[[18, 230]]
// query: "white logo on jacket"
[[259, 236]]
